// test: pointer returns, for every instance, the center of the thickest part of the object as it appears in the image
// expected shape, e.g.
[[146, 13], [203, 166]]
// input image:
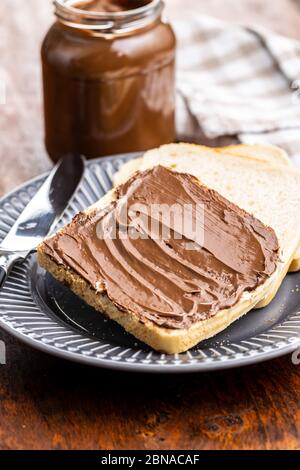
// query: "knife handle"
[[7, 261], [2, 276]]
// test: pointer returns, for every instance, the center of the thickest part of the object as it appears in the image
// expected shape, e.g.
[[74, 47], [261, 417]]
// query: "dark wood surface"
[[46, 403]]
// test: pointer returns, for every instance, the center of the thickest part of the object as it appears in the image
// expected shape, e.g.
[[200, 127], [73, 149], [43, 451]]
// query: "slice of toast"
[[221, 169], [273, 155], [68, 262]]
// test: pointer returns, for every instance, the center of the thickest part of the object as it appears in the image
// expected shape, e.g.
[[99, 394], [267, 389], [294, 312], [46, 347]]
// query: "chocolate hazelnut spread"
[[109, 82], [109, 5], [172, 281]]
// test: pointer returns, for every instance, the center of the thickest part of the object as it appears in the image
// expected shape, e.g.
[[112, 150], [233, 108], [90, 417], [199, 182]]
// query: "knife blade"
[[42, 213]]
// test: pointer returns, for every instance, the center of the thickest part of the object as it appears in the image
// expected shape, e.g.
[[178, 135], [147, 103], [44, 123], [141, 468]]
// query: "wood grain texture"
[[46, 403]]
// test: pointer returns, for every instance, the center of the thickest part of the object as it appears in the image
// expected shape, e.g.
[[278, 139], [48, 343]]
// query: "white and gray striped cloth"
[[237, 84]]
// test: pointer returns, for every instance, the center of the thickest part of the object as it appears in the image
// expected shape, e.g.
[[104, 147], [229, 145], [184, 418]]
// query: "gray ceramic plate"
[[46, 315]]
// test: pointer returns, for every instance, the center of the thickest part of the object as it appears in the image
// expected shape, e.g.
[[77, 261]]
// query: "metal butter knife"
[[41, 214]]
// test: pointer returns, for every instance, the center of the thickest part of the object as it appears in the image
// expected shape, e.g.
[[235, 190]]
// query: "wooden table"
[[46, 403]]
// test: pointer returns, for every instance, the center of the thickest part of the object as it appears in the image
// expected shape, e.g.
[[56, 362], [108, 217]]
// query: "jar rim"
[[108, 22], [114, 14]]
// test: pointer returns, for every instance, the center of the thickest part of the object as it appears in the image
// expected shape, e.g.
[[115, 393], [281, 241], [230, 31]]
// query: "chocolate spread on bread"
[[172, 281]]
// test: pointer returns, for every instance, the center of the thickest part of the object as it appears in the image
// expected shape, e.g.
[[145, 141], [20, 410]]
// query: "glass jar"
[[109, 78]]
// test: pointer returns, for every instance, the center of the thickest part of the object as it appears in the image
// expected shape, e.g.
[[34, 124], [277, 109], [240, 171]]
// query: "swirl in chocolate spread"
[[162, 280]]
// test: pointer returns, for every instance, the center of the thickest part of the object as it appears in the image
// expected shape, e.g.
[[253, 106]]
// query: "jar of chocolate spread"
[[109, 78]]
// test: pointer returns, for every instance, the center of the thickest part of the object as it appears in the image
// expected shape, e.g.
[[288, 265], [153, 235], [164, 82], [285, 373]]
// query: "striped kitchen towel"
[[237, 84]]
